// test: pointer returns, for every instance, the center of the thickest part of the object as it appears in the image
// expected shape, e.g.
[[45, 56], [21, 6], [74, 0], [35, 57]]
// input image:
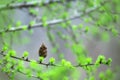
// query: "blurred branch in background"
[[14, 5], [52, 22]]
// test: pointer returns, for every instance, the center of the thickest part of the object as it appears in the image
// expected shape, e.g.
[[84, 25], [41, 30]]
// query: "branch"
[[53, 22], [46, 64], [23, 59], [28, 4]]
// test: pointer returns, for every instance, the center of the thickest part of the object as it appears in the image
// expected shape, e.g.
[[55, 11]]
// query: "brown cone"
[[43, 51]]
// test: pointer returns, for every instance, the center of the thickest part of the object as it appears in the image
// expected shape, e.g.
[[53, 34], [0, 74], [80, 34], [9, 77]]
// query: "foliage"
[[97, 19]]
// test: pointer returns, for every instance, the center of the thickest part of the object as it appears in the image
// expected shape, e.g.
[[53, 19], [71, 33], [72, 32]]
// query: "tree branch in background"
[[53, 22], [56, 21], [28, 4]]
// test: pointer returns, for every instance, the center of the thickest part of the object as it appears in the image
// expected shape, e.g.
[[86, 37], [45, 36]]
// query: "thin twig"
[[27, 60]]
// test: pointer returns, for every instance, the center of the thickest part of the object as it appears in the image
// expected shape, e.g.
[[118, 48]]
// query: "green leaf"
[[80, 26], [9, 26], [100, 59], [92, 78], [105, 19], [33, 64], [90, 3], [86, 29], [44, 18], [101, 75], [5, 48], [109, 73], [66, 63], [108, 62], [68, 22], [7, 58], [25, 54], [52, 60], [44, 21], [24, 27], [87, 19], [64, 15], [32, 23], [12, 53], [95, 30], [96, 3], [105, 36], [41, 59], [115, 32], [74, 27], [28, 72], [64, 25], [63, 61], [77, 49], [31, 31], [33, 12], [8, 65], [89, 60], [39, 74], [65, 78], [1, 62], [18, 23], [20, 66]]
